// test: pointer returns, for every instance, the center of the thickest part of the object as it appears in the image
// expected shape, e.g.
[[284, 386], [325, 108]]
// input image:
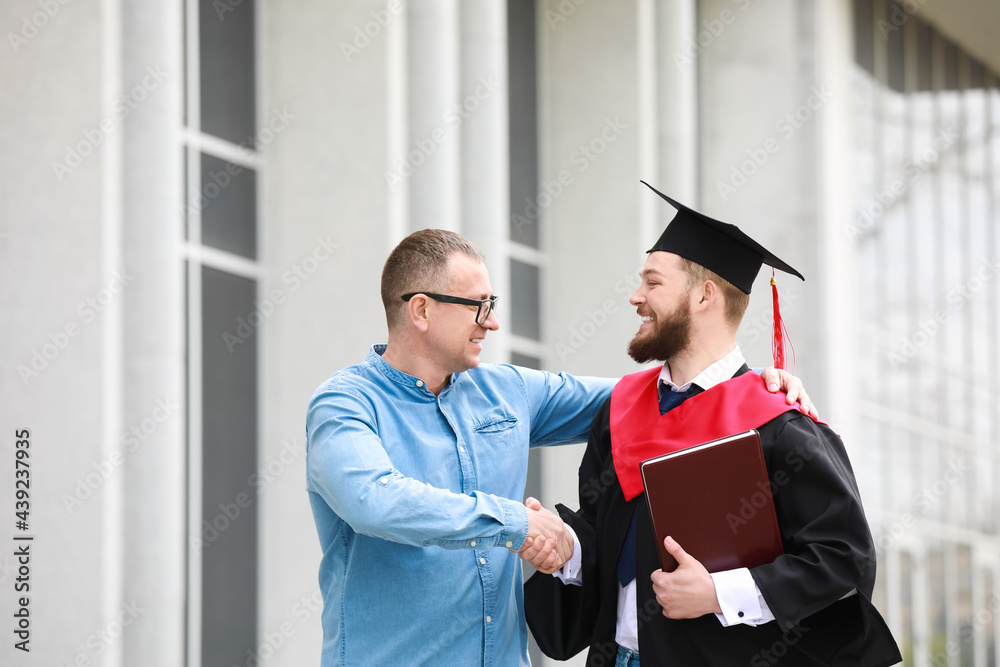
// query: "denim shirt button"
[[420, 383], [472, 543], [509, 544], [384, 480]]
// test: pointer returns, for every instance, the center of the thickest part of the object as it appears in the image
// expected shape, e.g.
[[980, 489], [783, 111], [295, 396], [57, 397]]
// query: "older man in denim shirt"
[[416, 460]]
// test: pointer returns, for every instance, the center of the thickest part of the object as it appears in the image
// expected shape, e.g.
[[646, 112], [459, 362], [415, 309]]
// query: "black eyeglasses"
[[486, 306]]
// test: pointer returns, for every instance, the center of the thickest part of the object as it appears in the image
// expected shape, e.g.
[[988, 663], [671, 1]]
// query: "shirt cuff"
[[570, 573], [515, 532], [740, 599]]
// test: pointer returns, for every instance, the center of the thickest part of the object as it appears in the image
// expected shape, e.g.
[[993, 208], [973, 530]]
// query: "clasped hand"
[[549, 543]]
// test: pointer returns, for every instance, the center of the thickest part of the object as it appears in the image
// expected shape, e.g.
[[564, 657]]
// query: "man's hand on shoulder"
[[549, 543], [777, 379]]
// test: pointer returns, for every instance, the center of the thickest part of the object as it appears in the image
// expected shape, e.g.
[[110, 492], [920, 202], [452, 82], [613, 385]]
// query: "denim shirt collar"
[[411, 382]]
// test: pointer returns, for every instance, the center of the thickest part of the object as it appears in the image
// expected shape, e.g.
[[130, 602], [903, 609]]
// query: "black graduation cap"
[[718, 246]]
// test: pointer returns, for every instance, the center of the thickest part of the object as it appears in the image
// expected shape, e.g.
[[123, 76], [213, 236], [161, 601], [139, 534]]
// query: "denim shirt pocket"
[[495, 423], [500, 438], [496, 433]]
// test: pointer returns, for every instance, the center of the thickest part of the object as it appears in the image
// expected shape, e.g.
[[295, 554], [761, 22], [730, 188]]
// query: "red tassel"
[[780, 332]]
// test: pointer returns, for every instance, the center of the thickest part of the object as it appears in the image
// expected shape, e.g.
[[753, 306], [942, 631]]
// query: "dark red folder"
[[715, 500]]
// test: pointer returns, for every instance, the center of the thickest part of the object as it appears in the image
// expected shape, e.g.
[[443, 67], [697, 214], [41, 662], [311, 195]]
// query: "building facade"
[[197, 198]]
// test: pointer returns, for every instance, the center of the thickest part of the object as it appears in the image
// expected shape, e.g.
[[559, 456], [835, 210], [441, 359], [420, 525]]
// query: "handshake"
[[549, 543]]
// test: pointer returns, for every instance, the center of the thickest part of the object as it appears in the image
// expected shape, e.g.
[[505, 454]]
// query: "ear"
[[417, 312], [706, 296]]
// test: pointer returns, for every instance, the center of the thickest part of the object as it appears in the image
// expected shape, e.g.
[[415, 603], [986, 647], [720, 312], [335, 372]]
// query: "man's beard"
[[670, 336]]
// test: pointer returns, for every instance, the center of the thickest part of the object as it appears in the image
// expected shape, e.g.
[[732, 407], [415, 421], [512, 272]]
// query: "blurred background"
[[196, 198]]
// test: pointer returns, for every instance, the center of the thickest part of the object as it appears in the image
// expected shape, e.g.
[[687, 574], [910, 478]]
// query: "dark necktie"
[[626, 561]]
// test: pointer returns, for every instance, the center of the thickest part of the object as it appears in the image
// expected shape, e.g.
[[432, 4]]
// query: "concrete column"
[[484, 156], [836, 192], [153, 396], [760, 113], [676, 113], [433, 147]]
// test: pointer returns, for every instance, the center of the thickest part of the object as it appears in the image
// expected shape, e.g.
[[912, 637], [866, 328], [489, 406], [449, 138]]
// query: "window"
[[221, 165], [927, 158]]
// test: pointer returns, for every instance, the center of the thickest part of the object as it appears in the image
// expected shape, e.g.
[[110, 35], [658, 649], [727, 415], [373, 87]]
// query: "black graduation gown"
[[828, 552]]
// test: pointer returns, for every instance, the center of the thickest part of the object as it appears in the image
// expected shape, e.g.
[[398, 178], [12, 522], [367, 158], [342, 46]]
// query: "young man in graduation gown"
[[811, 605]]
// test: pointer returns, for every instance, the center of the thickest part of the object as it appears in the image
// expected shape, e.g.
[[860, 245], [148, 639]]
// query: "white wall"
[[61, 246]]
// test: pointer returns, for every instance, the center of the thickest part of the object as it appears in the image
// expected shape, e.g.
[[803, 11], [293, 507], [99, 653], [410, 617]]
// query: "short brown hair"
[[736, 299], [420, 263]]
